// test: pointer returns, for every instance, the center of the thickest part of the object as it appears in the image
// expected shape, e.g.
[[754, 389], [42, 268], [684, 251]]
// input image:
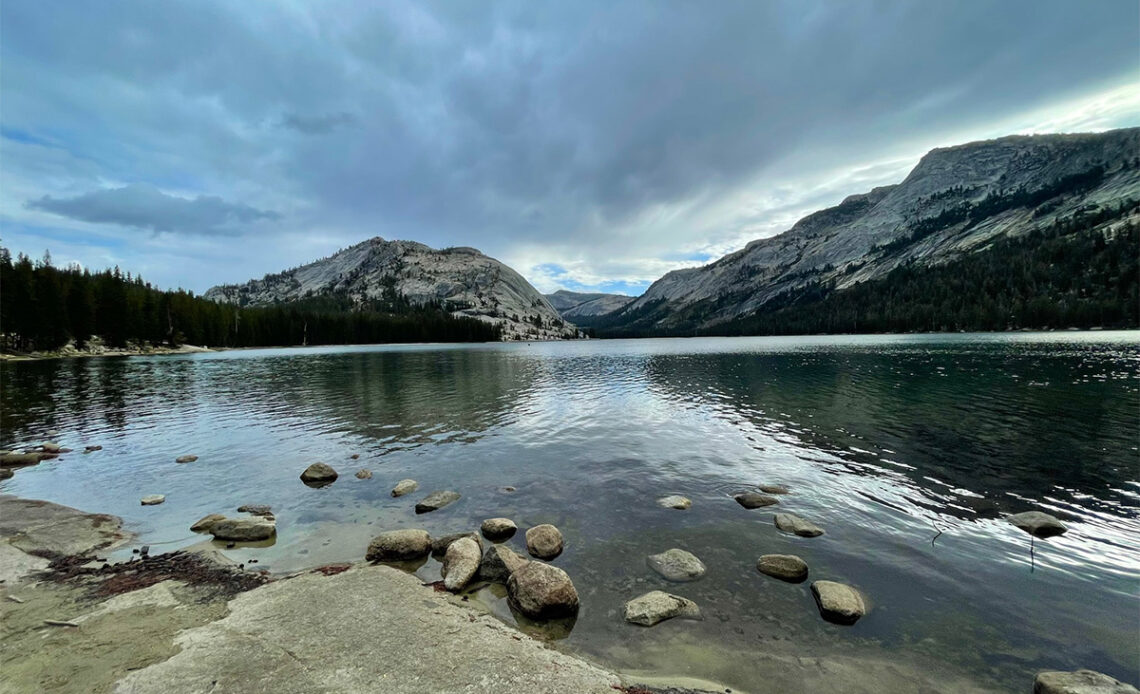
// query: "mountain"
[[462, 281], [958, 201], [580, 308]]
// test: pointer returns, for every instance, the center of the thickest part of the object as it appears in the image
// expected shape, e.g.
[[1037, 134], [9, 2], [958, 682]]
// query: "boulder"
[[319, 474], [1080, 682], [657, 606], [436, 501], [838, 603], [185, 458], [205, 523], [1038, 524], [544, 541], [152, 499], [499, 562], [6, 473], [50, 447], [364, 474], [677, 565], [786, 567], [755, 500], [675, 501], [542, 591], [399, 545], [791, 523], [243, 529], [773, 488], [256, 510], [496, 529], [439, 545], [460, 563], [405, 487], [22, 459]]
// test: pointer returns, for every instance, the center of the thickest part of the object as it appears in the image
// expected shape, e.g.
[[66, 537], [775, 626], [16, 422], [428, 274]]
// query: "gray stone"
[[319, 474], [677, 565], [92, 449], [1038, 524], [152, 499], [243, 529], [6, 473], [755, 500], [544, 541], [460, 563], [50, 447], [773, 488], [542, 591], [364, 474], [675, 501], [205, 523], [405, 487], [436, 501], [838, 602], [399, 545], [657, 606], [791, 523], [499, 562], [786, 567], [439, 545], [1079, 682], [186, 459], [256, 510], [495, 529], [22, 459]]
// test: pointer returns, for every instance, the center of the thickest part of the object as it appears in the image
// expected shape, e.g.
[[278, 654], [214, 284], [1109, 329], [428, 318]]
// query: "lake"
[[908, 450]]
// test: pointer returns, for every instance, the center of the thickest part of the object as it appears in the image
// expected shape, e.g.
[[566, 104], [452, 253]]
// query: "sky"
[[589, 145]]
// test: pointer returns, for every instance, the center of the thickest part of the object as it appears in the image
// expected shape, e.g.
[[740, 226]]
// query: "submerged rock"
[[657, 606], [319, 474], [677, 565], [499, 562], [773, 488], [50, 447], [755, 500], [439, 545], [22, 459], [1038, 524], [205, 523], [92, 449], [544, 541], [399, 545], [786, 567], [460, 563], [498, 528], [838, 603], [186, 459], [405, 487], [152, 499], [436, 501], [243, 529], [363, 474], [256, 510], [542, 591], [675, 501], [791, 523], [1080, 682]]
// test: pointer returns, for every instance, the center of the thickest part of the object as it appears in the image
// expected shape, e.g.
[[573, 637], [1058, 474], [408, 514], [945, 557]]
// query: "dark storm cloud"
[[606, 133], [146, 207]]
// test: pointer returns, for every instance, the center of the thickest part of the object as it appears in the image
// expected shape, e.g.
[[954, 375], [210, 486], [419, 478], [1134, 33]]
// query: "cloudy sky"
[[586, 144]]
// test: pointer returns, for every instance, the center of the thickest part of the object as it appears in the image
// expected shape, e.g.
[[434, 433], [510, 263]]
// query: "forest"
[[43, 308]]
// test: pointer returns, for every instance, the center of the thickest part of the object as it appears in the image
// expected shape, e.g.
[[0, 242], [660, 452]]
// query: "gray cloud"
[[316, 125], [146, 207]]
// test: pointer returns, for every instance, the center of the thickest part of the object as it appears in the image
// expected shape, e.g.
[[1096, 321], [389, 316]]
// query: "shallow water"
[[885, 441]]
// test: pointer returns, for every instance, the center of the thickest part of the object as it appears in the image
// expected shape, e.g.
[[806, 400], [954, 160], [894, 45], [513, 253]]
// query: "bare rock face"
[[677, 565], [1080, 682], [497, 529], [1038, 524], [460, 563], [436, 501], [542, 591], [657, 606], [675, 501], [791, 523], [319, 474], [838, 603], [399, 545], [755, 500], [405, 487], [243, 529], [544, 541], [439, 545], [203, 525], [786, 567], [499, 562]]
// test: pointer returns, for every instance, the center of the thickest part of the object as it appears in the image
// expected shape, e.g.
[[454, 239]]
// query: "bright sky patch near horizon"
[[591, 145]]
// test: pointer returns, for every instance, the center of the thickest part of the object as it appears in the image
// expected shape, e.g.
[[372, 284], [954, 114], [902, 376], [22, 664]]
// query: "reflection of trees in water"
[[984, 421]]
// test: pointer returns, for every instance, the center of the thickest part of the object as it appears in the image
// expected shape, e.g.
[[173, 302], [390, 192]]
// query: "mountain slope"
[[580, 307], [956, 201], [462, 281]]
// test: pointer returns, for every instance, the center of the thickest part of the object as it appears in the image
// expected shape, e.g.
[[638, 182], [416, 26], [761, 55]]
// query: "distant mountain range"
[[461, 281], [582, 308]]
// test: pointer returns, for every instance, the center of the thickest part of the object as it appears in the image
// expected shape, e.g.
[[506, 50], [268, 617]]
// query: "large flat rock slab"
[[41, 526], [371, 628]]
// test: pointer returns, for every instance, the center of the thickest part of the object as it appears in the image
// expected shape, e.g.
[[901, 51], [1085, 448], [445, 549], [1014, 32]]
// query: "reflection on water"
[[885, 442]]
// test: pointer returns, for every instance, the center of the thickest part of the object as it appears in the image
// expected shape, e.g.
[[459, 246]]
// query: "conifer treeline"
[[43, 307]]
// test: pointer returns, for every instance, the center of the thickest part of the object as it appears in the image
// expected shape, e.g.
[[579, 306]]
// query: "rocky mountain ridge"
[[574, 306]]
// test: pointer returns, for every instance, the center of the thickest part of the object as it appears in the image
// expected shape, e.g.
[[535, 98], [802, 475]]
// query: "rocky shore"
[[96, 349]]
